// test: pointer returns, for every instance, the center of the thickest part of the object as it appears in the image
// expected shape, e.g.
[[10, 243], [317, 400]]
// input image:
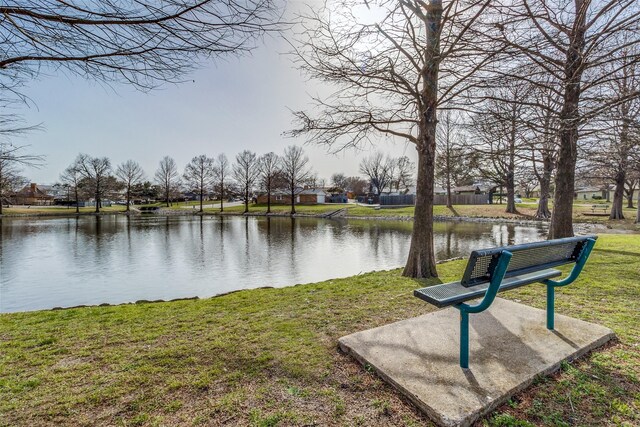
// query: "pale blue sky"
[[227, 106]]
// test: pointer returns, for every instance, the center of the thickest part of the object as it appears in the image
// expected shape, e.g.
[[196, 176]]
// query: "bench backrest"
[[527, 258]]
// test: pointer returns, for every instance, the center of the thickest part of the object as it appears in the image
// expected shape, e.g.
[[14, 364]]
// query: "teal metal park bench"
[[490, 271]]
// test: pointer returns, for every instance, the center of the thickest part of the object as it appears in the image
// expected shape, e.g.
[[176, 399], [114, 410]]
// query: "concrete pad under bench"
[[509, 346]]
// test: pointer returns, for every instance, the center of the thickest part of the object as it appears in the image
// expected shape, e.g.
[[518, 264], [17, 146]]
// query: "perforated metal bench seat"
[[453, 293]]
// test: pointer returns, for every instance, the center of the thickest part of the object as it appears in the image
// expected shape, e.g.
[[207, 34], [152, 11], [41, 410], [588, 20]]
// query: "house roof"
[[588, 190], [34, 191], [467, 188], [318, 192]]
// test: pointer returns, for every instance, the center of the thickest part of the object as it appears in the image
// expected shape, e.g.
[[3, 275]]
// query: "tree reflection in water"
[[91, 260]]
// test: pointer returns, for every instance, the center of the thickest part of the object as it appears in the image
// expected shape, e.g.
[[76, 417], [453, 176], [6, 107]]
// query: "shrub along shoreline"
[[268, 357]]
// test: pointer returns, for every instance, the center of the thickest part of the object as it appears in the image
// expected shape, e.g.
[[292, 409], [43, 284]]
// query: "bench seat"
[[453, 293]]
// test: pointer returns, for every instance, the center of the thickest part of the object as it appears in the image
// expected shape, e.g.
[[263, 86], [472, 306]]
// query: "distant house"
[[591, 193], [302, 197], [312, 197], [277, 197], [33, 195], [467, 189], [439, 191]]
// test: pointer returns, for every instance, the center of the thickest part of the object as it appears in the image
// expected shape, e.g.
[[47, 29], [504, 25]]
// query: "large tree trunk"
[[618, 196], [268, 195], [97, 198], [246, 199], [448, 175], [293, 200], [562, 217], [201, 197], [511, 194], [128, 197], [422, 262], [77, 201], [629, 192], [543, 211], [510, 181], [222, 195], [638, 211]]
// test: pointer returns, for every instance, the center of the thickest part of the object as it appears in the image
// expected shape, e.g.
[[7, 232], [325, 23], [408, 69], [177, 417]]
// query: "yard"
[[268, 357]]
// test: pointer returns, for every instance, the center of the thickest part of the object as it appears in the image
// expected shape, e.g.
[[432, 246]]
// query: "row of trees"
[[512, 144], [386, 172], [556, 74], [203, 175], [142, 43]]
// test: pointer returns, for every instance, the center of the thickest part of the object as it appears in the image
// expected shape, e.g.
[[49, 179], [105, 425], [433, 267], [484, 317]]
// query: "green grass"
[[525, 211], [281, 209], [268, 357]]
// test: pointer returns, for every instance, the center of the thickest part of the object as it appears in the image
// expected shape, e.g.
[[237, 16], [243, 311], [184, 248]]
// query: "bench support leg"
[[575, 272], [464, 339], [489, 296], [551, 297]]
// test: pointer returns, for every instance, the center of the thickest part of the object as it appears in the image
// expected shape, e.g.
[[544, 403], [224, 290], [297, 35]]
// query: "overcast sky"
[[225, 107]]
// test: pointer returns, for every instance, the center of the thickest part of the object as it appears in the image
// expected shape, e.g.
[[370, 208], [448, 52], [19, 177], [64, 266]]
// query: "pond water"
[[64, 262]]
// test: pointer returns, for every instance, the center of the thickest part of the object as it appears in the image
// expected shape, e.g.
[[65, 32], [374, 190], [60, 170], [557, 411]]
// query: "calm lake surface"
[[63, 262]]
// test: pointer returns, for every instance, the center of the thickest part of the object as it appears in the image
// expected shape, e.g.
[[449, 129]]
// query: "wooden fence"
[[398, 200], [462, 199], [438, 199]]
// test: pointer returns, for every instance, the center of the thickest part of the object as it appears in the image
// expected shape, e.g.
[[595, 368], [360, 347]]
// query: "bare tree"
[[72, 177], [501, 135], [167, 178], [221, 171], [391, 77], [269, 165], [143, 43], [356, 185], [455, 162], [609, 156], [311, 180], [199, 175], [379, 169], [631, 185], [610, 149], [339, 180], [130, 173], [404, 172], [625, 119], [246, 172], [295, 170], [526, 179], [569, 41], [542, 123], [12, 158], [96, 172]]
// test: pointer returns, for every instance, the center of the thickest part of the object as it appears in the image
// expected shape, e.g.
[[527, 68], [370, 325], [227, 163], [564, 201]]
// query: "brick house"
[[33, 195], [303, 197]]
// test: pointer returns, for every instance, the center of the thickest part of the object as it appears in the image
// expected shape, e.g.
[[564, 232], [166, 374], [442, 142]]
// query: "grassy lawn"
[[268, 357], [526, 211], [259, 208]]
